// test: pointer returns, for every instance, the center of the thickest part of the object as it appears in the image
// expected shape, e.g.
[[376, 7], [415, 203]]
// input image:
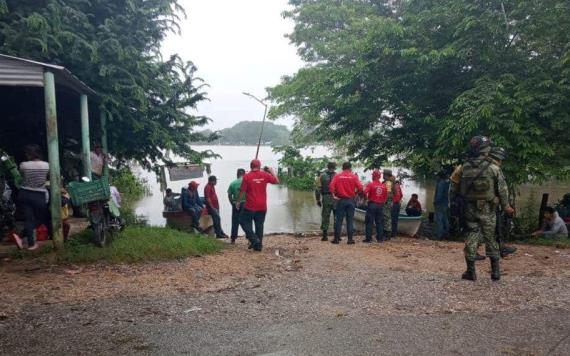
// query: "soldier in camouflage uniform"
[[480, 182], [9, 177], [389, 183], [325, 199]]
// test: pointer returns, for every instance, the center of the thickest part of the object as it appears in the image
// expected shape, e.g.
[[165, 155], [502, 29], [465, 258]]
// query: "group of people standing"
[[247, 195], [335, 193]]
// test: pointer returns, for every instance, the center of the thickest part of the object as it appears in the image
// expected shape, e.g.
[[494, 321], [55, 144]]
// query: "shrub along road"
[[299, 296]]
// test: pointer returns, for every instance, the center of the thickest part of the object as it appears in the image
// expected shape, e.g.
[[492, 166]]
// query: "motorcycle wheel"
[[100, 234]]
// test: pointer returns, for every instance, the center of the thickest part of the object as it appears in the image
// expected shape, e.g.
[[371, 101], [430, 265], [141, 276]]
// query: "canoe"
[[180, 220], [407, 225]]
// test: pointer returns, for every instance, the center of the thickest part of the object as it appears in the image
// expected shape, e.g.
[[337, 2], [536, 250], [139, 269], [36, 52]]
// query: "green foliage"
[[131, 187], [526, 219], [304, 169], [412, 81], [138, 244], [247, 133], [114, 47]]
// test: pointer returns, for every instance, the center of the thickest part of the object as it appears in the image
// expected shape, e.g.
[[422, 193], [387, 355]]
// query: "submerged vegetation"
[[297, 171]]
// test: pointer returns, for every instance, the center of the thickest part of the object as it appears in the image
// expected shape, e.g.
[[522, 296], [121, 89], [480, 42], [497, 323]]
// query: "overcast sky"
[[237, 46]]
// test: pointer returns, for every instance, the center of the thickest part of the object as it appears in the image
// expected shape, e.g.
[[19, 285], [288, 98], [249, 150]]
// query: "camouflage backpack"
[[477, 180], [326, 179]]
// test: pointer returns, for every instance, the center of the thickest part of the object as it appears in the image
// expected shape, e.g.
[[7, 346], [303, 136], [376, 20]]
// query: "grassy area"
[[558, 243], [138, 244]]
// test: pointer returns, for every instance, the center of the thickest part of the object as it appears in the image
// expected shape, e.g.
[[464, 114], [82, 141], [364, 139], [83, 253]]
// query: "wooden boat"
[[407, 225], [179, 219]]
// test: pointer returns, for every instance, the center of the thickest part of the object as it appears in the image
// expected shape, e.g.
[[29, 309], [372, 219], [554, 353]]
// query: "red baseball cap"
[[255, 163], [376, 174], [193, 184]]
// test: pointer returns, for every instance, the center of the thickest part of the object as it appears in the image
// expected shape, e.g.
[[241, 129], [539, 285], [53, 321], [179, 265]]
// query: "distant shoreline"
[[226, 144]]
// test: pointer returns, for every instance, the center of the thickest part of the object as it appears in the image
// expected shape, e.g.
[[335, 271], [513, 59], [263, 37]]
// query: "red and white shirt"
[[345, 185], [254, 184], [376, 192]]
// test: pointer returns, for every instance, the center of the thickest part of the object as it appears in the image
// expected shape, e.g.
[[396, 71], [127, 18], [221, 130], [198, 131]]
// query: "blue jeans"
[[215, 214], [236, 213], [375, 216], [395, 216], [247, 219], [344, 208], [441, 221], [35, 212], [195, 215]]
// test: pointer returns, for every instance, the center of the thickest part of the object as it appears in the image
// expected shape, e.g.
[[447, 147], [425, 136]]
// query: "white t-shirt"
[[96, 163]]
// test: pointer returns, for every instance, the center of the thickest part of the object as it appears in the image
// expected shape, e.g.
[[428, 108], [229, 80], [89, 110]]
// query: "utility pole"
[[262, 123]]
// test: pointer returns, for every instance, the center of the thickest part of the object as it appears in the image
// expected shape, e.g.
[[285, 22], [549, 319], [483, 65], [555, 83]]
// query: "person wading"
[[376, 195], [344, 188], [254, 186], [325, 199], [480, 181]]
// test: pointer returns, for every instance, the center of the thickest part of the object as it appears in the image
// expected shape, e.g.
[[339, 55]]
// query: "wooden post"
[[85, 142], [543, 205], [104, 141], [53, 157]]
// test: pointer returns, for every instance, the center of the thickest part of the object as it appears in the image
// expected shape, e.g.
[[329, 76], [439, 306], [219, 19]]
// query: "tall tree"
[[114, 47], [412, 80]]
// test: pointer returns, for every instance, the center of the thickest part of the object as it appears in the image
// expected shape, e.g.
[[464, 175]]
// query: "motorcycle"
[[104, 216]]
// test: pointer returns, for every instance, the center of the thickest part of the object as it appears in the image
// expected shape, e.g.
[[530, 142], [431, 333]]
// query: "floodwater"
[[291, 211]]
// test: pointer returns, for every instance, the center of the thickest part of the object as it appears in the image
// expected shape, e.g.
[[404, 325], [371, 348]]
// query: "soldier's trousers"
[[327, 209], [480, 226], [388, 218]]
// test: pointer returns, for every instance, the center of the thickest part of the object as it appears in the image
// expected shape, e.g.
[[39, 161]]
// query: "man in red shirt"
[[344, 188], [376, 194], [213, 206], [254, 187]]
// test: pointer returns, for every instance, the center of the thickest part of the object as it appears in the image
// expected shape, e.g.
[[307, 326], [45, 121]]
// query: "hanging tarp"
[[185, 172]]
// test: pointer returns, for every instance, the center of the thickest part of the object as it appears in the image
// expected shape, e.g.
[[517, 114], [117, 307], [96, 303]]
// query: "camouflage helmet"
[[498, 153], [479, 145]]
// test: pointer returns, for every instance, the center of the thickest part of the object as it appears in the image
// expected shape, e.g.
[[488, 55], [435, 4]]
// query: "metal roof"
[[16, 71]]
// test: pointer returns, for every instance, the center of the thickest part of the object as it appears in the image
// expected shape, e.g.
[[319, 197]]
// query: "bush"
[[138, 244]]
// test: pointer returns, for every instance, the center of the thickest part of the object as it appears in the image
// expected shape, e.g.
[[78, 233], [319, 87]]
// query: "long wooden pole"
[[53, 157], [261, 132]]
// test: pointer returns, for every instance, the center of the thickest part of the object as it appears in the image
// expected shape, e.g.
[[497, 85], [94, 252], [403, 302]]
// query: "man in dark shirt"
[[213, 206]]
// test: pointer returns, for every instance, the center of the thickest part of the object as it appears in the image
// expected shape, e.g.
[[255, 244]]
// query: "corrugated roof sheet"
[[16, 71]]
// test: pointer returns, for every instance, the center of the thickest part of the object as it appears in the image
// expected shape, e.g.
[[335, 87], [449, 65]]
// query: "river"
[[291, 211]]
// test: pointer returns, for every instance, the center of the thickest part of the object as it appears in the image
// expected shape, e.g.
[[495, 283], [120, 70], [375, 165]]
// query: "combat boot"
[[325, 236], [350, 242], [470, 274], [495, 269], [335, 241]]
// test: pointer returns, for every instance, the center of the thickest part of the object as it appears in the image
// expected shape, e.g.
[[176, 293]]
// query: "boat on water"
[[407, 225]]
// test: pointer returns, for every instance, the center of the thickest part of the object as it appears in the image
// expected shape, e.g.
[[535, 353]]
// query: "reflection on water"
[[289, 210]]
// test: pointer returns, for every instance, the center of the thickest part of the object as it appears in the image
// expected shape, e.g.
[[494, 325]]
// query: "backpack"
[[326, 179], [477, 181]]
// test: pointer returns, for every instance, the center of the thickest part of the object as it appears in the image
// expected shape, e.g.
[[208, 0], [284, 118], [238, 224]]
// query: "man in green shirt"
[[233, 195]]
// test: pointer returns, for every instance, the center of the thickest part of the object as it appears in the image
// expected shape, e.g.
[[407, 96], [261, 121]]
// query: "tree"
[[412, 81], [114, 47]]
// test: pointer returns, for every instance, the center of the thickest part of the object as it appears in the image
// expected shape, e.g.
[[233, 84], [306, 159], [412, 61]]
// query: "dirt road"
[[299, 297]]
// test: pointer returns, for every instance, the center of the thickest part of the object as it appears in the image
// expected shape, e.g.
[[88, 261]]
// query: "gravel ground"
[[299, 297]]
